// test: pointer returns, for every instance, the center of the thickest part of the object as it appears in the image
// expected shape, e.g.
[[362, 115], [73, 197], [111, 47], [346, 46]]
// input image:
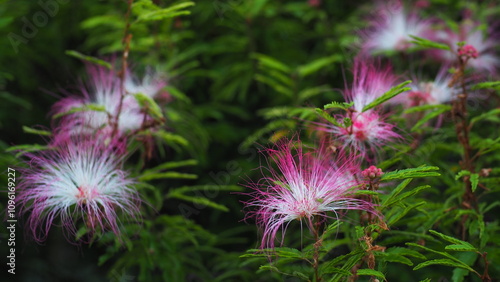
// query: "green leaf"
[[461, 173], [27, 148], [489, 114], [396, 191], [370, 272], [367, 192], [338, 105], [256, 253], [317, 64], [430, 116], [450, 239], [311, 92], [271, 62], [176, 93], [422, 171], [328, 117], [146, 102], [331, 229], [185, 189], [170, 165], [428, 43], [487, 144], [184, 68], [300, 275], [36, 131], [288, 253], [425, 108], [169, 137], [394, 91], [166, 175], [81, 232], [161, 14], [405, 252], [280, 77], [347, 122], [410, 193], [393, 258], [84, 108], [446, 262], [474, 181], [91, 59], [431, 250], [336, 270], [204, 202], [450, 261], [460, 248], [400, 214], [489, 84], [458, 273], [350, 260], [275, 85], [269, 267], [254, 9]]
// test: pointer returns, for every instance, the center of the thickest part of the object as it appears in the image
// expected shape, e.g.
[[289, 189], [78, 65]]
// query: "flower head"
[[392, 28], [79, 180], [372, 172], [101, 104], [429, 92], [370, 81], [468, 51], [480, 47], [364, 130], [150, 85], [302, 185]]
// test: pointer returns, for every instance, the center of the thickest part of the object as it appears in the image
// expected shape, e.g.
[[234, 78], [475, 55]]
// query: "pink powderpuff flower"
[[391, 28], [80, 180], [303, 186], [368, 130], [370, 81], [104, 90], [150, 85], [429, 92], [484, 58]]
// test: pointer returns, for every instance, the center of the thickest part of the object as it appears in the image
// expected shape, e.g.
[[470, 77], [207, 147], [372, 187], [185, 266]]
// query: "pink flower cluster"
[[319, 184], [303, 185], [79, 180], [117, 107], [372, 172], [391, 28], [468, 51]]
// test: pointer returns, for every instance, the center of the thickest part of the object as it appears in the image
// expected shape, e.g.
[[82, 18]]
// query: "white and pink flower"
[[367, 130], [79, 180], [302, 186], [101, 107], [391, 27]]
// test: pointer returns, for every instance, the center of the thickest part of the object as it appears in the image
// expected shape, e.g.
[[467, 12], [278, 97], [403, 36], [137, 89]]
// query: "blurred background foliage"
[[242, 73]]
